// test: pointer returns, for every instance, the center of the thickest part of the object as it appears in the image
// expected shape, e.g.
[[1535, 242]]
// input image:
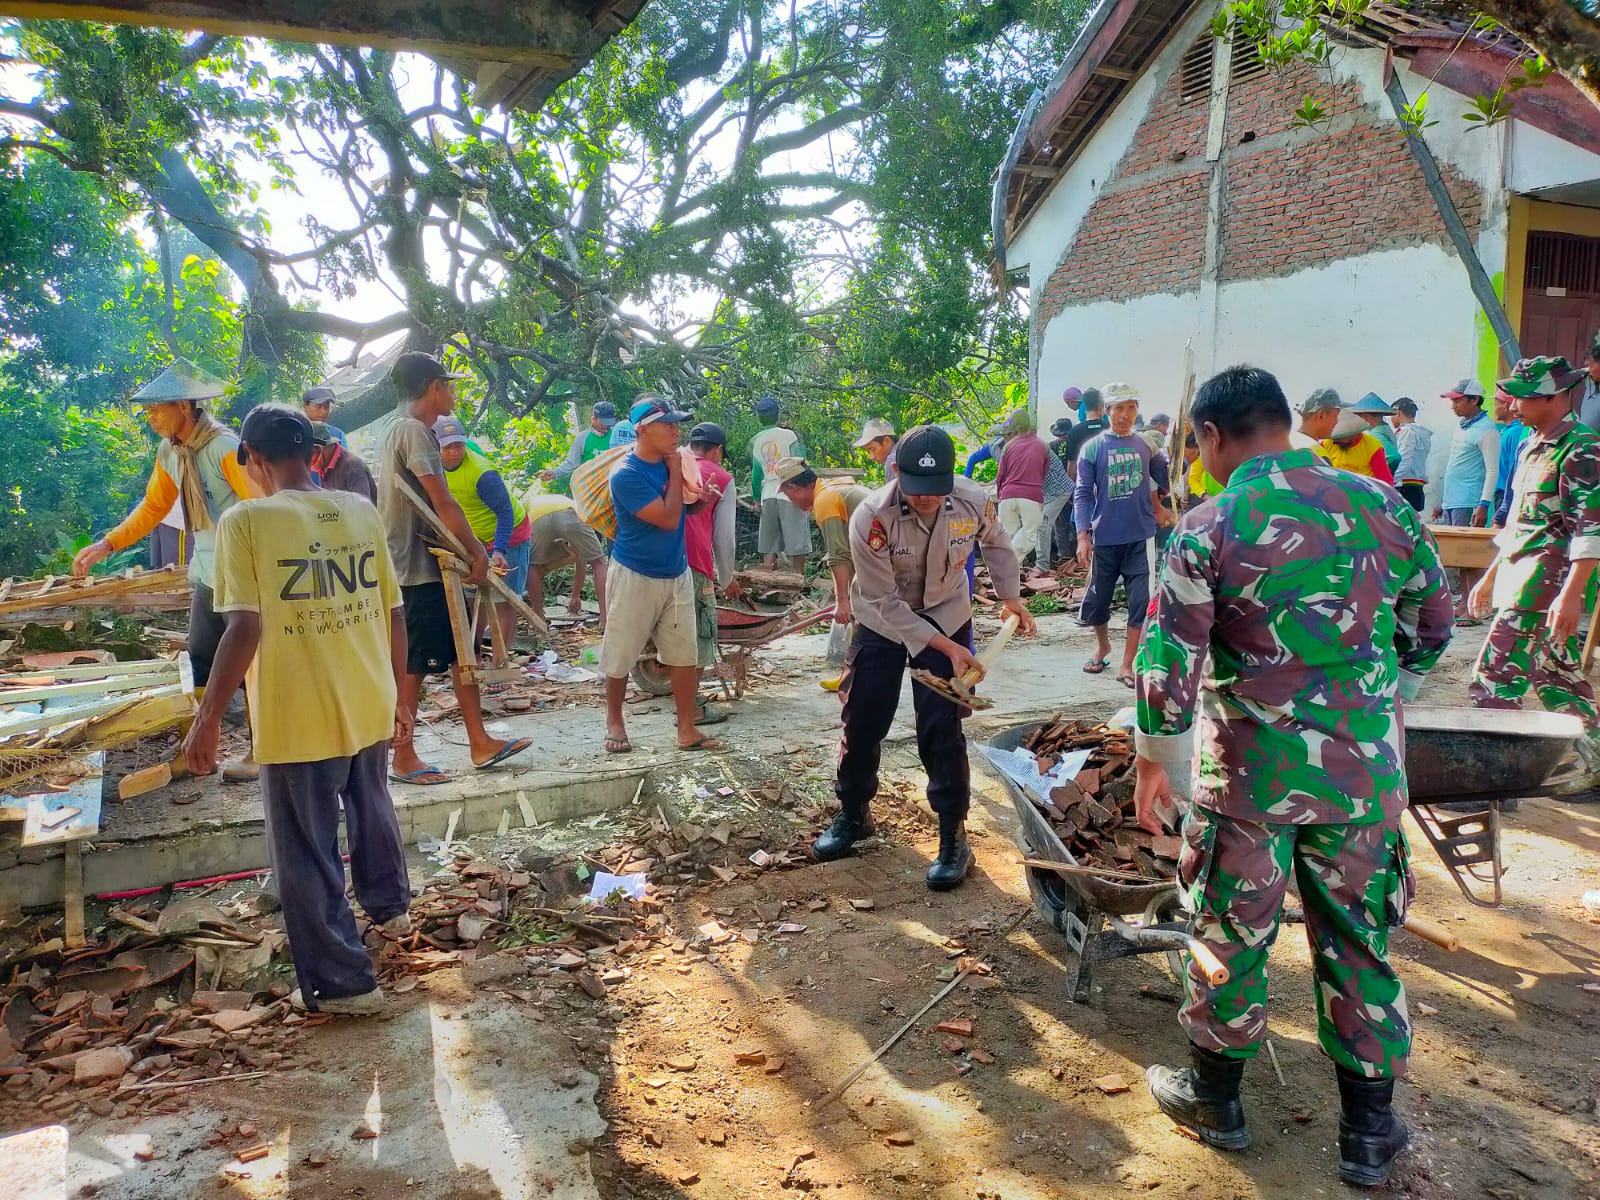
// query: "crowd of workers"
[[1298, 596]]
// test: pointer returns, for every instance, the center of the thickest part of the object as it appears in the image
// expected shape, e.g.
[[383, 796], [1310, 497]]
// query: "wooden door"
[[1561, 296]]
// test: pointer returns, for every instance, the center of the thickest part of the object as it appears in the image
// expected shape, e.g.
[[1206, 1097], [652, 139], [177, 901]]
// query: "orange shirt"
[[1363, 457], [161, 493]]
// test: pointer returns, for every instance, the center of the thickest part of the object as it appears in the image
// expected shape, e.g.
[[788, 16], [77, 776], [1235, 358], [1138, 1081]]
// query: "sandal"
[[418, 775], [706, 743], [514, 746], [1096, 666], [1127, 680], [618, 745]]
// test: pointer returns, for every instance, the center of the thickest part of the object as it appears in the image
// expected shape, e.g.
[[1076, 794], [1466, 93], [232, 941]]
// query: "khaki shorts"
[[705, 619], [563, 532], [784, 529], [640, 610]]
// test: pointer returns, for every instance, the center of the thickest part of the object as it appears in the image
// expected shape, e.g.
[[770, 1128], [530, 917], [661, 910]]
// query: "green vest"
[[595, 444], [463, 485], [220, 497]]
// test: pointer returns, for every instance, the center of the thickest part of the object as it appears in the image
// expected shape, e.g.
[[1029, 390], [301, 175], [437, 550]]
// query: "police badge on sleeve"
[[877, 536]]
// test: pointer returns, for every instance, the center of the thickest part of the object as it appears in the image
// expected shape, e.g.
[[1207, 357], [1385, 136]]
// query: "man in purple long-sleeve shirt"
[[1019, 485], [1116, 511]]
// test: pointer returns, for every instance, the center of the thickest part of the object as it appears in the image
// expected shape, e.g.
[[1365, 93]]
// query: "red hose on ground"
[[234, 877]]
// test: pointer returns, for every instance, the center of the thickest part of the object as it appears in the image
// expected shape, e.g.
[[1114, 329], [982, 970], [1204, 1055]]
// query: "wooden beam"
[[106, 670], [72, 890], [1115, 72], [34, 722], [89, 687], [539, 32]]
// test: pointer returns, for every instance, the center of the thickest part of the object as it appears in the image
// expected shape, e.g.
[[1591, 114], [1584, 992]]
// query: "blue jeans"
[[518, 559]]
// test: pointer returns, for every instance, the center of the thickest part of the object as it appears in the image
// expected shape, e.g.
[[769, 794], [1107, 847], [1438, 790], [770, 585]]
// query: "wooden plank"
[[72, 890], [35, 722], [87, 591], [107, 670], [460, 622], [145, 779], [88, 687]]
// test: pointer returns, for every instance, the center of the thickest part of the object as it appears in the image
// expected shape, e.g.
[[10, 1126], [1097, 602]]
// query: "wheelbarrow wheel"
[[651, 676], [1051, 899]]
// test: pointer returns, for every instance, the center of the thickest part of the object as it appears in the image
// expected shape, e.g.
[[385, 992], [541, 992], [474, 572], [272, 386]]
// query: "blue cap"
[[1372, 403], [605, 412], [767, 406], [651, 409], [450, 432]]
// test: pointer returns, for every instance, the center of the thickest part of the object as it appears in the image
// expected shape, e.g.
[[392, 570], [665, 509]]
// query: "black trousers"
[[874, 670], [1414, 494]]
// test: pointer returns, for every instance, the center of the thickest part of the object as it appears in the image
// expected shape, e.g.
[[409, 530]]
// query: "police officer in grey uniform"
[[909, 542]]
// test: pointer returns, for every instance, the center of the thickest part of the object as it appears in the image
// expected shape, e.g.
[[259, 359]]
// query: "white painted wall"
[[1398, 322]]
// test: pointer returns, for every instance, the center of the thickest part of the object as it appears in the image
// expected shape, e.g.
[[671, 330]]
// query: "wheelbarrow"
[[1453, 756], [1464, 766], [741, 628]]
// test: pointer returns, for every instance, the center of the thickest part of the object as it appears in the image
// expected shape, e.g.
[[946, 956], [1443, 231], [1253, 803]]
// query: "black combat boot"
[[1371, 1136], [1204, 1097], [955, 856], [848, 828]]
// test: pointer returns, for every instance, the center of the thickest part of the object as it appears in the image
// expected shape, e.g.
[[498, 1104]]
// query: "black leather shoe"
[[1371, 1136], [1204, 1097], [839, 838], [955, 857]]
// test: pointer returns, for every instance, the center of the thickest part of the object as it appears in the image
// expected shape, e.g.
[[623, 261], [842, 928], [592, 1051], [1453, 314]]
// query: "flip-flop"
[[706, 743], [711, 716], [1127, 681], [416, 776], [1466, 622], [1096, 666], [514, 746], [618, 745]]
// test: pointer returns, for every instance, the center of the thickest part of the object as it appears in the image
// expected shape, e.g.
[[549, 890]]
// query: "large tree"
[[736, 195]]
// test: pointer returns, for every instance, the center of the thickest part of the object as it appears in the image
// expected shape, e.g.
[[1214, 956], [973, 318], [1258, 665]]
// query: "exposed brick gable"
[[1293, 198]]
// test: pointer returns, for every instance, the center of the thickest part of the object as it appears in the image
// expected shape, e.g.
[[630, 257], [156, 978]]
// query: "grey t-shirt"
[[409, 450]]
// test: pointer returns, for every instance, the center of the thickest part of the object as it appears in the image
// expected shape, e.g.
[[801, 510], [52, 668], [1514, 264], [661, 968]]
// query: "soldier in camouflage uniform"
[[1318, 596], [1542, 580]]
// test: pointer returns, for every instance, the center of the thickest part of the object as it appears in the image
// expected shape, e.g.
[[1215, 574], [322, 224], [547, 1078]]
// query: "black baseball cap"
[[413, 371], [708, 433], [276, 432], [927, 460]]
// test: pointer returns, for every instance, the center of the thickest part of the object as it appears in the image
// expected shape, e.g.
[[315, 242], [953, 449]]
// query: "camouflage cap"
[[1321, 400], [1548, 375], [181, 381], [1119, 393]]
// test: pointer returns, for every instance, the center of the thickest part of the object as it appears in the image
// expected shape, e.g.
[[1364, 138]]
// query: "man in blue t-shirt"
[[649, 589], [1116, 511]]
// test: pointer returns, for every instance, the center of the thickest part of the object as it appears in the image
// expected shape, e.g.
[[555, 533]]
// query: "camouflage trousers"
[[1519, 654], [1354, 882]]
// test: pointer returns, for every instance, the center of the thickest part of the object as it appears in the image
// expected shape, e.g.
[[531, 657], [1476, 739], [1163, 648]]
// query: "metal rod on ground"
[[843, 1086], [1061, 868]]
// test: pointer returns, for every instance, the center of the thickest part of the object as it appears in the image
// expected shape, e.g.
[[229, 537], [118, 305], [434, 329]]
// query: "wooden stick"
[[1272, 1053], [1432, 931], [1062, 868], [844, 1085], [461, 628], [165, 1084], [72, 892]]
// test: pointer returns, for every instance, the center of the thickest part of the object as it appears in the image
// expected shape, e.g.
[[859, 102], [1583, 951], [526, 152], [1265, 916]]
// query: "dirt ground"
[[703, 1074]]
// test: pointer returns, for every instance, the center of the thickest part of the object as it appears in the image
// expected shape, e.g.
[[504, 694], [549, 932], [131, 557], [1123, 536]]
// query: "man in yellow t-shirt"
[[316, 630]]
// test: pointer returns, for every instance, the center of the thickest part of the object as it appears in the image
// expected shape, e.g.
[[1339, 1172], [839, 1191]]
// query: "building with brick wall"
[[1163, 195]]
